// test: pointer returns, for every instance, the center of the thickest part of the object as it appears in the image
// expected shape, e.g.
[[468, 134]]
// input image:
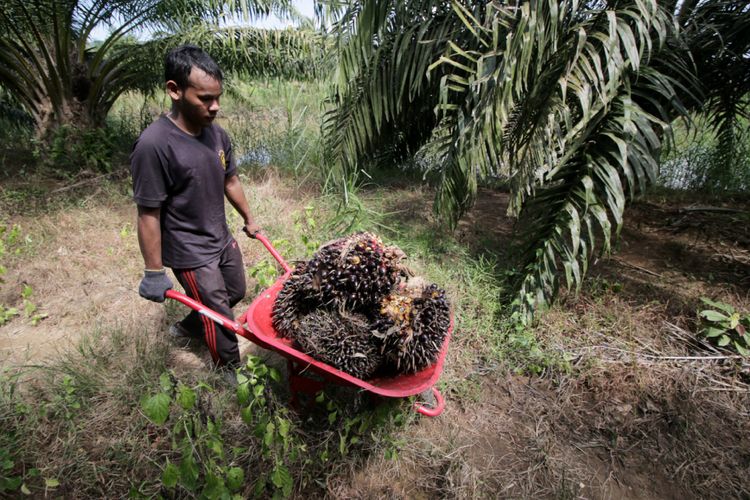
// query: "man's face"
[[199, 101]]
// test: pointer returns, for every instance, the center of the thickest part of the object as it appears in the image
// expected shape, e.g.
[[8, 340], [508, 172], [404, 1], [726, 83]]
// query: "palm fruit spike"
[[355, 272], [412, 326], [292, 302], [341, 340]]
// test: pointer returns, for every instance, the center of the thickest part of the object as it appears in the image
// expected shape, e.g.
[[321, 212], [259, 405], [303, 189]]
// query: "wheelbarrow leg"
[[430, 403], [299, 383]]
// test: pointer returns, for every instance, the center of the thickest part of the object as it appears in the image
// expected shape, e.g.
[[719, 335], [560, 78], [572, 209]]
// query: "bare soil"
[[640, 412]]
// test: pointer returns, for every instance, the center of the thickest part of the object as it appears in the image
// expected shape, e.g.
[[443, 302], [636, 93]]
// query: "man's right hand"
[[154, 285]]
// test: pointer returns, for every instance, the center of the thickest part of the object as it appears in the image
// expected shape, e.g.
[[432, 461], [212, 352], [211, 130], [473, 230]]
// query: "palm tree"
[[717, 33], [570, 101], [49, 65]]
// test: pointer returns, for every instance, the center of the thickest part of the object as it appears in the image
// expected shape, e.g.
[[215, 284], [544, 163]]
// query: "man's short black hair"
[[180, 61]]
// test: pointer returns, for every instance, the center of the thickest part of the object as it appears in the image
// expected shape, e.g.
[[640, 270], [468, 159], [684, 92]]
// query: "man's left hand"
[[251, 229]]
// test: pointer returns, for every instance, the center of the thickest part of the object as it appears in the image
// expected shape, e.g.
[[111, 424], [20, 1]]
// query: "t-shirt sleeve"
[[147, 167]]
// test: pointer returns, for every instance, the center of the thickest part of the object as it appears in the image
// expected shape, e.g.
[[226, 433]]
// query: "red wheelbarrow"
[[255, 325]]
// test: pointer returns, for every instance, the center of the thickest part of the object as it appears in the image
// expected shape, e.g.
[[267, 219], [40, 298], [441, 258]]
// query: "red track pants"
[[219, 285]]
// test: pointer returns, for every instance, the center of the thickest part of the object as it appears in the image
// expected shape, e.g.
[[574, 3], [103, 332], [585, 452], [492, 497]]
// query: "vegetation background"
[[634, 386]]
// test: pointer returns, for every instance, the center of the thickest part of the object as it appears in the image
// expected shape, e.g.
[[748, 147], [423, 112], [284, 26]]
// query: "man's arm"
[[236, 196], [155, 282], [149, 236]]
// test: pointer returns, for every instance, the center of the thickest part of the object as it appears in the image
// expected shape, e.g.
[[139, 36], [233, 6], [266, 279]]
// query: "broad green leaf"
[[724, 340], [189, 472], [235, 479], [165, 382], [186, 397], [740, 349], [217, 446], [156, 407], [258, 390], [284, 425], [243, 393], [282, 479], [171, 475], [214, 487], [718, 305], [10, 483], [269, 434], [51, 482], [711, 332], [246, 414], [259, 487], [712, 315]]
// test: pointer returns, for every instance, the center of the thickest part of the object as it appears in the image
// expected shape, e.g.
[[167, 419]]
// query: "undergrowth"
[[112, 419]]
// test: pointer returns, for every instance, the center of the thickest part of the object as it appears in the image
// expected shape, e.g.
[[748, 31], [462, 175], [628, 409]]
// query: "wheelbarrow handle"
[[262, 238], [205, 311]]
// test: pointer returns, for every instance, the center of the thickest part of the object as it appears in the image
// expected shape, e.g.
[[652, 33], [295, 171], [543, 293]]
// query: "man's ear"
[[174, 90]]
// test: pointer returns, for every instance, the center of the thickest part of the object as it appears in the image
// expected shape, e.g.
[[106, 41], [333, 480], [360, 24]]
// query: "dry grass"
[[645, 389]]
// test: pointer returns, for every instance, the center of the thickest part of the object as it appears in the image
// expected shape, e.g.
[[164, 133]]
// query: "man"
[[182, 167]]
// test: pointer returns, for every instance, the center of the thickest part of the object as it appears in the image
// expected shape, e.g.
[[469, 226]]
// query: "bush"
[[72, 149], [697, 162], [725, 327]]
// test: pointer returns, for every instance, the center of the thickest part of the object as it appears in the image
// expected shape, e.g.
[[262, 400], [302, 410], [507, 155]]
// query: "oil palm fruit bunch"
[[411, 325], [355, 272], [293, 302], [341, 340]]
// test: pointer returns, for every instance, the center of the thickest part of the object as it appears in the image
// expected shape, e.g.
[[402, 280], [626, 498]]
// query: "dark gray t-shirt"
[[184, 176]]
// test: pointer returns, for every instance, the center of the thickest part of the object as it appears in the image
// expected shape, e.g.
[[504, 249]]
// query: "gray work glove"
[[154, 285]]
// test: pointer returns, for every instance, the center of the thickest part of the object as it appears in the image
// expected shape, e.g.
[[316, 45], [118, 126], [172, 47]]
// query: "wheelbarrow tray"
[[260, 330], [256, 325]]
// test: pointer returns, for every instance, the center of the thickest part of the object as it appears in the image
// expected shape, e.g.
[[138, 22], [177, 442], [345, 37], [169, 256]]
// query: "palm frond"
[[381, 96], [579, 209], [717, 35], [566, 99]]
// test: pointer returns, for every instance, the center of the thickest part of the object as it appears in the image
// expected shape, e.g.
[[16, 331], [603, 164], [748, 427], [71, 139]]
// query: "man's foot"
[[182, 337], [177, 331]]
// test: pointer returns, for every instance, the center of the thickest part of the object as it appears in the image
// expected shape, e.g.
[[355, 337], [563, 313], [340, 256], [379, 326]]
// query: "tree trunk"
[[71, 113]]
